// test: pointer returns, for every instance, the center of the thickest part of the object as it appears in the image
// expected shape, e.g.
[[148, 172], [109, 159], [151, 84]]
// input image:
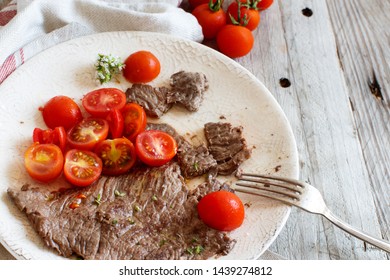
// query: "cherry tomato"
[[141, 67], [118, 155], [155, 148], [221, 210], [55, 136], [264, 4], [211, 18], [61, 111], [101, 101], [134, 118], [248, 17], [235, 40], [82, 168], [44, 162], [87, 133], [115, 123]]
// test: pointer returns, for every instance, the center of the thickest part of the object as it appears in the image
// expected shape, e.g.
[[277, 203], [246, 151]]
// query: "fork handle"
[[380, 243]]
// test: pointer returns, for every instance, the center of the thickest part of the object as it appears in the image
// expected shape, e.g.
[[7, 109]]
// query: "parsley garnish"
[[107, 66], [98, 199]]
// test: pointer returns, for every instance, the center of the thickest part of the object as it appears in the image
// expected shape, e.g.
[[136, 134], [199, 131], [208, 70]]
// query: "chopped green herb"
[[98, 199], [118, 193], [107, 66], [132, 222], [198, 249], [114, 222], [162, 242], [137, 208], [154, 198], [196, 166], [190, 251]]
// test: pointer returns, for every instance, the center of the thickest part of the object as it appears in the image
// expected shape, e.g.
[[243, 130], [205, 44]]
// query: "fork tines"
[[283, 189]]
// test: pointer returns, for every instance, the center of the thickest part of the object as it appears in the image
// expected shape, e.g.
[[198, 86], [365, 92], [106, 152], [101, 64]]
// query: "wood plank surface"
[[334, 59]]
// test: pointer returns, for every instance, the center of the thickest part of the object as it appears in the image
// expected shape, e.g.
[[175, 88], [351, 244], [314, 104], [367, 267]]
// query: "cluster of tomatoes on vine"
[[232, 29]]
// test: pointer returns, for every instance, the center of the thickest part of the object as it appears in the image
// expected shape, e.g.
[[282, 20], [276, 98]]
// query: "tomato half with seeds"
[[134, 119], [61, 111], [87, 133], [82, 168], [221, 210], [44, 162], [141, 67], [118, 155], [155, 148], [55, 136], [99, 102]]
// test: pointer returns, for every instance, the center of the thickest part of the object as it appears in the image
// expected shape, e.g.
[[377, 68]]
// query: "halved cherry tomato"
[[134, 118], [211, 17], [155, 148], [245, 15], [87, 133], [44, 162], [117, 155], [50, 136], [116, 123], [82, 168], [235, 40], [61, 111], [141, 67], [221, 210], [101, 101]]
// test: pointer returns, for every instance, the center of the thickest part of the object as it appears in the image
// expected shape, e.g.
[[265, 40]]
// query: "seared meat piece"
[[145, 214], [227, 146], [188, 89], [153, 100], [193, 161]]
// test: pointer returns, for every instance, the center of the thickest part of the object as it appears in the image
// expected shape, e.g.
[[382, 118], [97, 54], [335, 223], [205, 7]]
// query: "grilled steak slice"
[[153, 100], [227, 146], [193, 160], [146, 214], [188, 89]]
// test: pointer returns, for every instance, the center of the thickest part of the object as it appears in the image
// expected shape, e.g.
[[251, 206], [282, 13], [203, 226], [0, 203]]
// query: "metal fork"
[[302, 195]]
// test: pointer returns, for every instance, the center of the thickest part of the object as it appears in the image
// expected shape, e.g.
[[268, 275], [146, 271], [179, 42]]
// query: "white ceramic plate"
[[234, 95]]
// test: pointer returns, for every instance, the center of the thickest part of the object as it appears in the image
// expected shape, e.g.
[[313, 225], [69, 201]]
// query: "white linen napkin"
[[40, 24]]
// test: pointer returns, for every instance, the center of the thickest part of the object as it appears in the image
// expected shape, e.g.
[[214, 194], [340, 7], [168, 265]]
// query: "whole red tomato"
[[264, 4], [221, 210], [211, 18], [235, 40], [61, 111], [243, 14], [141, 67]]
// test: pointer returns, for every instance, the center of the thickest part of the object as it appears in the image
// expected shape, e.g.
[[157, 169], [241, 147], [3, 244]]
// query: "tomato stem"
[[215, 7]]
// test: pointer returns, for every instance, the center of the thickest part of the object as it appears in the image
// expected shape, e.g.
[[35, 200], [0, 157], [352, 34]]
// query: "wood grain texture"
[[341, 128]]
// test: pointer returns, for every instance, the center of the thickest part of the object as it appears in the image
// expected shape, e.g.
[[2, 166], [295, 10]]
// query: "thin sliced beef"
[[227, 145], [146, 214], [188, 89], [153, 100], [193, 160]]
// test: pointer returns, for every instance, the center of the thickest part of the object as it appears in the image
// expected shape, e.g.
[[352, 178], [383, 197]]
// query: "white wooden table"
[[330, 73], [338, 103]]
